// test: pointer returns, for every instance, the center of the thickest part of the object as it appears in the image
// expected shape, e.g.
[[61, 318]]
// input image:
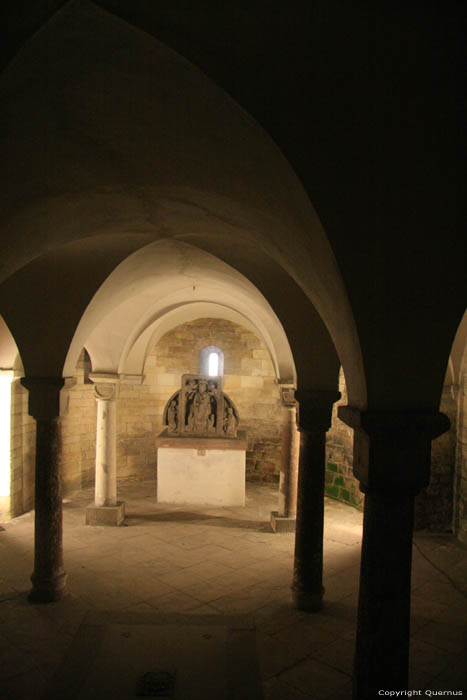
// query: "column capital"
[[314, 409], [393, 448], [287, 395], [47, 398], [105, 385], [104, 377]]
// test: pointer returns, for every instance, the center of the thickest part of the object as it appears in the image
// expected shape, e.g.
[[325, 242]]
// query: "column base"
[[308, 602], [105, 515], [280, 523], [47, 590]]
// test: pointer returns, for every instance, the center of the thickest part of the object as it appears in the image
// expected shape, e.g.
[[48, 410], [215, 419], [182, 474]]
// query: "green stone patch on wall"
[[340, 482], [342, 487]]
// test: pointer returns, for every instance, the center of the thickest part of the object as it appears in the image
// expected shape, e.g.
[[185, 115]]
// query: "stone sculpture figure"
[[172, 417], [230, 422], [200, 408]]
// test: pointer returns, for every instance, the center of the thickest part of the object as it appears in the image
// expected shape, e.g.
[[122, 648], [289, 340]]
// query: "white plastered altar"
[[199, 471]]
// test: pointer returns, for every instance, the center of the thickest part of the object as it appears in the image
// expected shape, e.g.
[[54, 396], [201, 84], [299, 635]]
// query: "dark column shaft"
[[308, 564], [392, 462], [48, 578], [382, 646]]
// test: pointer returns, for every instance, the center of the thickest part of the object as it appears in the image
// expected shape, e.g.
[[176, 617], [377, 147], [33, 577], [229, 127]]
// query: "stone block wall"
[[460, 472], [22, 453], [340, 481], [434, 504], [249, 380], [139, 407], [78, 434]]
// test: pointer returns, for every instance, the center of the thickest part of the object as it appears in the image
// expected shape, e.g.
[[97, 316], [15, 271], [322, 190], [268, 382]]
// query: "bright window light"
[[5, 432], [213, 364]]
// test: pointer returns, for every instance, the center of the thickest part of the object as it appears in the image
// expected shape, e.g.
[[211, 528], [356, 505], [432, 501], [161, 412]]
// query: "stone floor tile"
[[274, 617], [309, 635], [173, 602], [24, 686], [427, 657], [436, 611], [181, 579], [338, 654], [156, 567], [237, 603], [443, 635], [453, 678], [316, 678], [274, 656], [195, 556], [142, 587], [14, 661], [203, 609], [338, 586], [419, 679], [441, 592], [277, 689], [344, 693], [235, 559], [341, 626], [226, 560], [208, 591], [209, 570], [138, 609]]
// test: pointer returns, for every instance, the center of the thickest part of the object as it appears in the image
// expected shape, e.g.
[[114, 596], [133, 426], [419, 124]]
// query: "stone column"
[[314, 420], [283, 519], [48, 578], [106, 510], [392, 461]]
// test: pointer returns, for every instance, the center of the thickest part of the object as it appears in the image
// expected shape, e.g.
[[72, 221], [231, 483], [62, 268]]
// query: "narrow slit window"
[[211, 361], [213, 364]]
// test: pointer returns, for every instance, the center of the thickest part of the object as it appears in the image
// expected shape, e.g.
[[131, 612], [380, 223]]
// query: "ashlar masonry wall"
[[460, 479], [78, 433], [249, 380], [434, 504], [340, 481], [22, 453]]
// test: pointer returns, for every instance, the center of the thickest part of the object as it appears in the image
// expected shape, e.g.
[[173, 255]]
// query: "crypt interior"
[[232, 351]]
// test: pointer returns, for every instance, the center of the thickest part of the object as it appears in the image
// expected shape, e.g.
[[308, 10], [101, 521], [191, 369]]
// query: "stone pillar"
[[314, 419], [106, 510], [460, 471], [48, 578], [392, 462], [283, 520]]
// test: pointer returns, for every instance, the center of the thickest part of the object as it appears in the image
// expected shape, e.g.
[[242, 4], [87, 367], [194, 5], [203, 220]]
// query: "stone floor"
[[203, 561]]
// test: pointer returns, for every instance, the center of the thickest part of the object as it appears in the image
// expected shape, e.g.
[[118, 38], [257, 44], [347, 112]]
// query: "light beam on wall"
[[213, 364], [6, 377]]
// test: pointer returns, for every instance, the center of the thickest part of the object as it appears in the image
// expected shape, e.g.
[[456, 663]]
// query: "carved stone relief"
[[201, 409]]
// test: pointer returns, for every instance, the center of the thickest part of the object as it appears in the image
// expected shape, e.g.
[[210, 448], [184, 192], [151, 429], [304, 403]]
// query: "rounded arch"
[[168, 319], [10, 358], [457, 357], [193, 164], [165, 284]]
